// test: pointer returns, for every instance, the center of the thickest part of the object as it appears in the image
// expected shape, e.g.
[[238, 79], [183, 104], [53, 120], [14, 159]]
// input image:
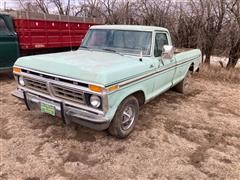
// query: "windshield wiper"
[[110, 50]]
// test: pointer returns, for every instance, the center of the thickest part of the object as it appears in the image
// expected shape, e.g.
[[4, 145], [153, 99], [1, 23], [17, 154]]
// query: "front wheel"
[[125, 118]]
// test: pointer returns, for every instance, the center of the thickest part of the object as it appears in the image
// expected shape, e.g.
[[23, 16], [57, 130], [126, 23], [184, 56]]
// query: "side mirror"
[[167, 52]]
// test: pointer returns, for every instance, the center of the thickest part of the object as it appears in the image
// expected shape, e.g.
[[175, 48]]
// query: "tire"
[[183, 86], [127, 111]]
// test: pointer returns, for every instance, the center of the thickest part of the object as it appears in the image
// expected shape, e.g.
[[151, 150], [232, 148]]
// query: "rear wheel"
[[125, 118], [183, 86]]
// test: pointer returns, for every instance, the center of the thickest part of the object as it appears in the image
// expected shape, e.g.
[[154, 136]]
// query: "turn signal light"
[[95, 88], [100, 89], [17, 70], [113, 88]]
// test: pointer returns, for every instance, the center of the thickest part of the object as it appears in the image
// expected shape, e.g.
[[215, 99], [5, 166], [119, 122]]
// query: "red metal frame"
[[42, 34]]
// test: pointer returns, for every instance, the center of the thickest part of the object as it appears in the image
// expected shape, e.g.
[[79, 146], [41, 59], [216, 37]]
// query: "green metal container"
[[9, 49]]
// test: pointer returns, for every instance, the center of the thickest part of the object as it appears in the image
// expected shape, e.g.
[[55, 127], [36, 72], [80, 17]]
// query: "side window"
[[160, 41], [3, 27]]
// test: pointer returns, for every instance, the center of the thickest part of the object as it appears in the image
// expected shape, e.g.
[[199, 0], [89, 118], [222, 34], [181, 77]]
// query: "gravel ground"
[[192, 136]]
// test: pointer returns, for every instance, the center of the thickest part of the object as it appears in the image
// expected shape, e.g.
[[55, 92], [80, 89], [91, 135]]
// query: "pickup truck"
[[102, 84], [26, 33]]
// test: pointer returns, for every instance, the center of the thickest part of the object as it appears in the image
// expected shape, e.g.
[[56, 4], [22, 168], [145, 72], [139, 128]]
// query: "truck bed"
[[180, 50], [39, 31]]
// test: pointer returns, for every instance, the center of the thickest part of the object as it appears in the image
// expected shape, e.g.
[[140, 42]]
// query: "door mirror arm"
[[161, 60]]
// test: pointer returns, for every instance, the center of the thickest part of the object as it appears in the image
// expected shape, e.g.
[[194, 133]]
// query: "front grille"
[[52, 86], [36, 85], [67, 93], [55, 78]]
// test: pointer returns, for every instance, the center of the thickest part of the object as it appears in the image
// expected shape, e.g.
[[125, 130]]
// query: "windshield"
[[121, 41]]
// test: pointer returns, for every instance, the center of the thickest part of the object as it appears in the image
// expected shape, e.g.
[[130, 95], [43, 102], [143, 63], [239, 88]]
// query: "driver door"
[[166, 67]]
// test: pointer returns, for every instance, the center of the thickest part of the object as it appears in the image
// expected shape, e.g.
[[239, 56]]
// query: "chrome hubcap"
[[128, 117]]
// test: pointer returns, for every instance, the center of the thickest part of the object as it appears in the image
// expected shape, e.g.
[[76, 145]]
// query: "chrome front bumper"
[[67, 112]]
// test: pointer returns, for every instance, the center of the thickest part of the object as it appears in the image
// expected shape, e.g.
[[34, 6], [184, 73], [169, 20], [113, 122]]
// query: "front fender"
[[115, 98]]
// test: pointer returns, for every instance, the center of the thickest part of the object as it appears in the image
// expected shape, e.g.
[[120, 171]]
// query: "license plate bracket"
[[48, 108]]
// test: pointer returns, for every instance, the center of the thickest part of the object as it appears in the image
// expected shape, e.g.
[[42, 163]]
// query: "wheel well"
[[140, 97], [191, 68]]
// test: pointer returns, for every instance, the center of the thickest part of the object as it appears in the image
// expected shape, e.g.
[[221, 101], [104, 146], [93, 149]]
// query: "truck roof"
[[130, 27]]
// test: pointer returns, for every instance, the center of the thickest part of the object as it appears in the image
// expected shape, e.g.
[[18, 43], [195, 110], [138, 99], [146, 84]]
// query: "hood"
[[90, 66]]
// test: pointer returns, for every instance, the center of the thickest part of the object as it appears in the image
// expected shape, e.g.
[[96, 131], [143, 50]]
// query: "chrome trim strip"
[[61, 100], [127, 82], [103, 94], [51, 81], [121, 83], [36, 84], [86, 115], [64, 111], [68, 94], [68, 85], [105, 102], [58, 76], [128, 78]]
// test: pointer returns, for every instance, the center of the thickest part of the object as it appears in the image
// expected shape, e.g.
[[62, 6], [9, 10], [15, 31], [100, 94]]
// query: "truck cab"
[[9, 49]]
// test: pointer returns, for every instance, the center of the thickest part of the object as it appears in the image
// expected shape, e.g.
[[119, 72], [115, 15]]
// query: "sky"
[[9, 4], [14, 4]]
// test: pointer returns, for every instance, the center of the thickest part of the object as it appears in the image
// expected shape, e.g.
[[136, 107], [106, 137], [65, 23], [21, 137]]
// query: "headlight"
[[21, 81], [95, 101]]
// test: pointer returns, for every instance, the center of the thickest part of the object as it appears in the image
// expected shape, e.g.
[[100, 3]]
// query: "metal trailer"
[[25, 33]]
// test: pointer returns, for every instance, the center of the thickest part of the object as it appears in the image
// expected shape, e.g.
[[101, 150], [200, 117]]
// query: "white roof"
[[130, 27]]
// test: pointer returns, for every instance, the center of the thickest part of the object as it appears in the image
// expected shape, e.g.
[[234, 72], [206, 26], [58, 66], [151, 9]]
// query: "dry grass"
[[218, 73], [177, 136]]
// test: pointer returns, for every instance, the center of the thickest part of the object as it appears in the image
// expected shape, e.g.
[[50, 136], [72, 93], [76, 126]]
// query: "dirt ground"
[[192, 136]]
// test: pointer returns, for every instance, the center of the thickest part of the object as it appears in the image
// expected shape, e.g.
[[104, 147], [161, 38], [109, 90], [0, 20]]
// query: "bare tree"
[[61, 7], [214, 14], [39, 5], [154, 12], [211, 25], [189, 25], [92, 8], [234, 54], [111, 10]]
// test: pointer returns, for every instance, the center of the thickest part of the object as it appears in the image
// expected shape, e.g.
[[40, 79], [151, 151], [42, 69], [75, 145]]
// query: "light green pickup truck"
[[103, 83]]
